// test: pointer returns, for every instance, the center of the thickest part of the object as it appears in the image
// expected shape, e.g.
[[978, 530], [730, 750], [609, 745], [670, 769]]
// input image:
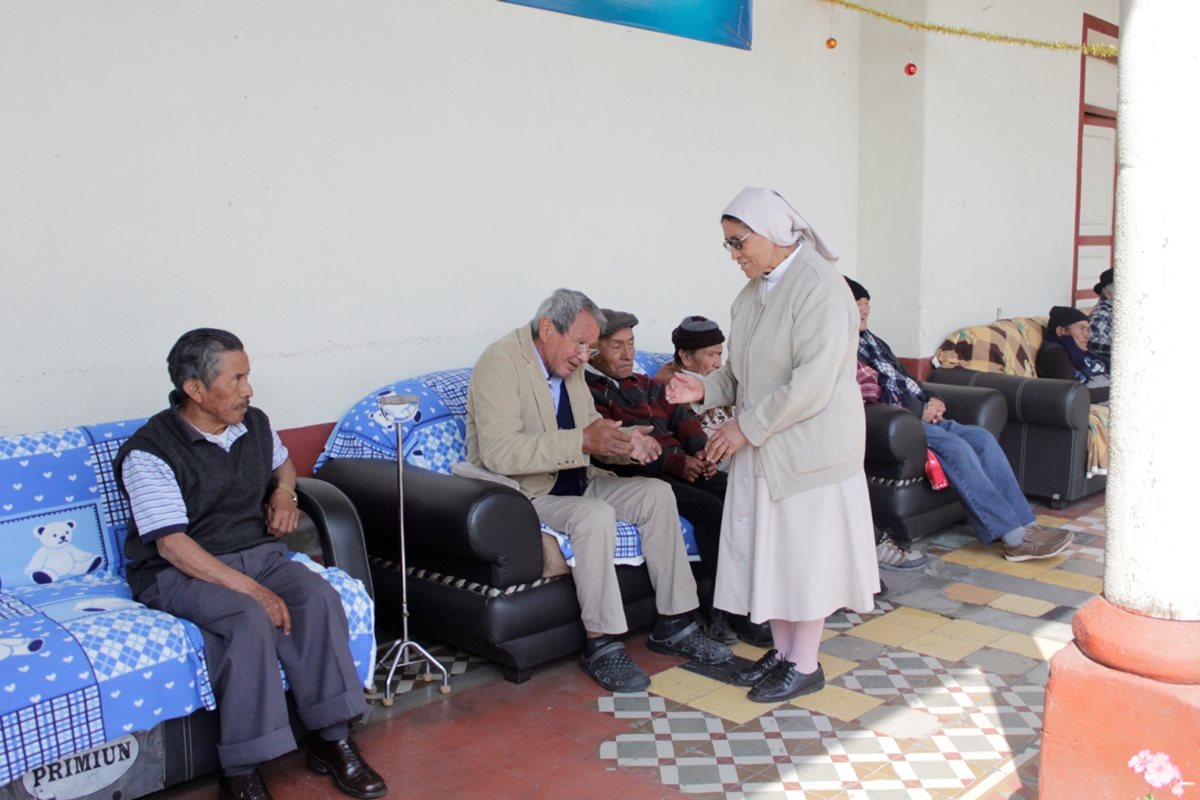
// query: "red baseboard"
[[305, 444]]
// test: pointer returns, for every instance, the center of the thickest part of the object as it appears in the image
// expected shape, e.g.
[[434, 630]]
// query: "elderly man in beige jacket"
[[530, 416]]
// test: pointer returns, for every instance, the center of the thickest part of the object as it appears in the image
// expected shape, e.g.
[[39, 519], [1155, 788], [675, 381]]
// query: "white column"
[[1153, 540]]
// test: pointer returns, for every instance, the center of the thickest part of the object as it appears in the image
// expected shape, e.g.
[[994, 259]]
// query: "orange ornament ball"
[[831, 42]]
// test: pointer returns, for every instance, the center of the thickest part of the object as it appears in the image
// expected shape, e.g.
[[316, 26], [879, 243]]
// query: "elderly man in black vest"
[[211, 489]]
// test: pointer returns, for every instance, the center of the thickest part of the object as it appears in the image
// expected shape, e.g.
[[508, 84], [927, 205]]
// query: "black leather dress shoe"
[[751, 675], [341, 759], [756, 634], [244, 787], [786, 683]]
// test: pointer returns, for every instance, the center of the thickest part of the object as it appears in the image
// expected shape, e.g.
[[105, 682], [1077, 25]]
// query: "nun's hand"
[[724, 441], [684, 389]]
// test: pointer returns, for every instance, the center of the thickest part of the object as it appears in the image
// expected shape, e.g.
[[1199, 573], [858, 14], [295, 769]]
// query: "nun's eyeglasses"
[[736, 243]]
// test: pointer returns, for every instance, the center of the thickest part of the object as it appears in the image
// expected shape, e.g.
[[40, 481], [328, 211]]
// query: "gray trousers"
[[591, 522], [243, 651]]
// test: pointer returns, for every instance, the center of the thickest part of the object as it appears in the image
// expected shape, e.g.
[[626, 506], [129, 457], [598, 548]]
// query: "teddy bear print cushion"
[[81, 662]]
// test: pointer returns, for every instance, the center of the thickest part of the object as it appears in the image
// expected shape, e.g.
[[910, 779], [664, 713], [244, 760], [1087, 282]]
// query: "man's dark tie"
[[570, 482]]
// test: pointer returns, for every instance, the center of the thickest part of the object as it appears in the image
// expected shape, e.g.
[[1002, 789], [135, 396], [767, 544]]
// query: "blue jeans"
[[979, 471]]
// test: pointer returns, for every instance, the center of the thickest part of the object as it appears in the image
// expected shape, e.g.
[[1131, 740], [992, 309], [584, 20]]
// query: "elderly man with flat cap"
[[635, 399]]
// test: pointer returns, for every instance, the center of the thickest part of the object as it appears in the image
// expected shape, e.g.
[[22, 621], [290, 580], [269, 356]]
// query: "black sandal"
[[612, 668], [691, 643]]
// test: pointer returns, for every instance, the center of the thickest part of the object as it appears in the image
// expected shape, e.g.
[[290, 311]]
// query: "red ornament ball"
[[910, 68], [831, 42]]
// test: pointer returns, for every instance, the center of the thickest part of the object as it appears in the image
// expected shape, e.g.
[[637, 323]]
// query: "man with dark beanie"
[[1065, 353], [698, 343], [978, 469], [211, 489]]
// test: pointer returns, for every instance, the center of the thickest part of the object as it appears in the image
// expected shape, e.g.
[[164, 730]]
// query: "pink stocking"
[[781, 634], [805, 640]]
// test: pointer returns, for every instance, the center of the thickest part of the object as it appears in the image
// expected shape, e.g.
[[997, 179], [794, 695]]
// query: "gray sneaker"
[[1040, 542], [894, 557]]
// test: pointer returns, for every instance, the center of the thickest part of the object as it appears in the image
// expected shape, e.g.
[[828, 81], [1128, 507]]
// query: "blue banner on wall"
[[724, 22]]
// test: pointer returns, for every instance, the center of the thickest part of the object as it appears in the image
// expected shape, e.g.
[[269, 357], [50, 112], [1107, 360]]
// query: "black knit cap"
[[616, 320], [857, 289], [1063, 317], [696, 332], [1106, 278]]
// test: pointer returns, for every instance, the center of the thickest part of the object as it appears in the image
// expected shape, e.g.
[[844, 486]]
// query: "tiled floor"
[[937, 693]]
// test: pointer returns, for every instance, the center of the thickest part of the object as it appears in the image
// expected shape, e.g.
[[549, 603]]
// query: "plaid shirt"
[[638, 400], [868, 383], [898, 387], [1100, 324]]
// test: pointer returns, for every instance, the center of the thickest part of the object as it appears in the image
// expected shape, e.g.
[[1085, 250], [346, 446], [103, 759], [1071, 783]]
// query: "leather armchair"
[[902, 501], [474, 558]]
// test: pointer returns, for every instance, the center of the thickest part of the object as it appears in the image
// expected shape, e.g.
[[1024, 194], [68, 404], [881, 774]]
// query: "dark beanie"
[[696, 332], [616, 320], [1106, 278], [1063, 317], [858, 290]]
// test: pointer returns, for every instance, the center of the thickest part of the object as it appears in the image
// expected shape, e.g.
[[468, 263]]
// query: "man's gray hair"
[[197, 355], [562, 307]]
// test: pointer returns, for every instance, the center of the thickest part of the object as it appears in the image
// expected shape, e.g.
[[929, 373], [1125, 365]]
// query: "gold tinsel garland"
[[1098, 50]]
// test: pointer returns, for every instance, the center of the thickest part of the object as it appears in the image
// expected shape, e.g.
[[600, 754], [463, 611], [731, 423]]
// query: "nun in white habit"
[[797, 542]]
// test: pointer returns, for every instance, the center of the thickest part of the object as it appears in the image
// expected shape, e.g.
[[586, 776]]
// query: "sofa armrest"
[[895, 442], [1035, 401], [973, 405], [466, 527], [338, 528]]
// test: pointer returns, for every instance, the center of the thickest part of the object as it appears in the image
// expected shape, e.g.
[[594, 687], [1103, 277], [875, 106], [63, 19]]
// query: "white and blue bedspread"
[[434, 436], [81, 663]]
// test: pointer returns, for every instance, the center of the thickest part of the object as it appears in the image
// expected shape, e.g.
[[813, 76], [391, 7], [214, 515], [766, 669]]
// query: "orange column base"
[[1098, 715]]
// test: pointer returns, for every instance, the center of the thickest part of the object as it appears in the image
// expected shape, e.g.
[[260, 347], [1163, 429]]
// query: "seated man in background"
[[699, 488], [699, 347], [212, 488], [531, 417], [1064, 353], [976, 466], [888, 553], [1101, 319]]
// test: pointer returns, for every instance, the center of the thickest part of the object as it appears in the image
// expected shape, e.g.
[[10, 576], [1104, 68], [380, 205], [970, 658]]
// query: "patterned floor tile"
[[900, 722], [969, 631], [680, 685], [633, 705], [968, 593], [837, 702], [1020, 604], [730, 703], [943, 647], [1032, 646], [1071, 580], [844, 620]]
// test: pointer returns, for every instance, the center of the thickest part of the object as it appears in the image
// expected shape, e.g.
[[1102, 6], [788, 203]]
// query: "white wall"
[[367, 190], [996, 166]]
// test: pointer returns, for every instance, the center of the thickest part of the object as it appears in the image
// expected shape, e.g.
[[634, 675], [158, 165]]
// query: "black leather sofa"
[[1045, 435], [902, 501], [475, 565]]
